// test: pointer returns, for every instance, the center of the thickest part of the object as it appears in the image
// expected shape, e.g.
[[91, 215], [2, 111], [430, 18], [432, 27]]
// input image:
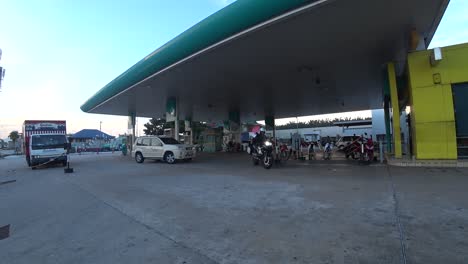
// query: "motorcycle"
[[367, 151], [284, 153], [263, 154]]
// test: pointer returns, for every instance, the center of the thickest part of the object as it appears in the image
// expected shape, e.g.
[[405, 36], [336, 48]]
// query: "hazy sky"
[[58, 53]]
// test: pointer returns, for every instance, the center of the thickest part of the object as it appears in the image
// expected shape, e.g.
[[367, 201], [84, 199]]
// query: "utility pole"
[[2, 70], [100, 122]]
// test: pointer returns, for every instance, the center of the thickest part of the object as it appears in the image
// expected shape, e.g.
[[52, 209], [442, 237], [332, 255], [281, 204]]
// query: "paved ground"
[[221, 209]]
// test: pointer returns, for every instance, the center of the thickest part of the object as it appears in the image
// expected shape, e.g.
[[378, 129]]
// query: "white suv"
[[161, 148]]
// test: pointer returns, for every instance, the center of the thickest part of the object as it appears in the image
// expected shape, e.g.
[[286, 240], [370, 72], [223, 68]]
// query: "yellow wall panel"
[[457, 68], [433, 103], [447, 98], [429, 104], [435, 140], [453, 68], [420, 69], [451, 140]]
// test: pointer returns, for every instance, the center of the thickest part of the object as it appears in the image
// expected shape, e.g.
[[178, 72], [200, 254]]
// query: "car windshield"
[[170, 141], [48, 141]]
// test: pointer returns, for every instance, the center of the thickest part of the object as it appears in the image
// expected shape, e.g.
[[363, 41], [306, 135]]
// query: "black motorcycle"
[[263, 154]]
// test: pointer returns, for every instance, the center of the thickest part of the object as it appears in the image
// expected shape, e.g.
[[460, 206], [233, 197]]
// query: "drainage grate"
[[4, 232]]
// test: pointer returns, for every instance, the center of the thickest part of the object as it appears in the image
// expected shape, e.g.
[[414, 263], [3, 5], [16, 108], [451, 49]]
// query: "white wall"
[[377, 128], [331, 131], [378, 123], [405, 131]]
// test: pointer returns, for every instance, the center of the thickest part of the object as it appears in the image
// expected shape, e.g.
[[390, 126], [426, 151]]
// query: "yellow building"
[[438, 97]]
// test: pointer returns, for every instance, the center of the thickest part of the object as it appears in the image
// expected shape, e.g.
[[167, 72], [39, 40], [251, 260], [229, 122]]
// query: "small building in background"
[[91, 140]]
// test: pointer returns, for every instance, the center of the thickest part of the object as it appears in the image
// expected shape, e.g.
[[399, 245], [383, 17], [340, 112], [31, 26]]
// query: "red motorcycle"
[[367, 150], [284, 152], [361, 149], [353, 150]]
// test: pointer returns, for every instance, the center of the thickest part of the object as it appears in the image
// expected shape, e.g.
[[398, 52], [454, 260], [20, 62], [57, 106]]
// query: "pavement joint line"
[[462, 172], [397, 216], [7, 182], [181, 244]]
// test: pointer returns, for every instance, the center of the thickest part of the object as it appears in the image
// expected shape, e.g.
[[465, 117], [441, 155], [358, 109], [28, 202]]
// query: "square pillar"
[[131, 130], [395, 110], [172, 114], [388, 133], [270, 125]]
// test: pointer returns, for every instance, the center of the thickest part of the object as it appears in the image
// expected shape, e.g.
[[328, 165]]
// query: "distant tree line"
[[318, 123], [156, 126]]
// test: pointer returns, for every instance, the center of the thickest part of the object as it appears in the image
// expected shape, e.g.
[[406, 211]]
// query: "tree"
[[317, 123], [14, 136], [156, 126]]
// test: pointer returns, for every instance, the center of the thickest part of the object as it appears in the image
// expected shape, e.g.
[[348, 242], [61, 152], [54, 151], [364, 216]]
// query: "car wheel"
[[139, 157], [169, 157]]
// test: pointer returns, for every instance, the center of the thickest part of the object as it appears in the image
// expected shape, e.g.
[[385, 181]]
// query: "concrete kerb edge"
[[427, 163]]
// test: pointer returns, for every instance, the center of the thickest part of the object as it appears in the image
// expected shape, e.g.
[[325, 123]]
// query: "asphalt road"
[[221, 209]]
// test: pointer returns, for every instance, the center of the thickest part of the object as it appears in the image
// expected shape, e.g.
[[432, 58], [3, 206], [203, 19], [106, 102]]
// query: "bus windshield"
[[48, 141]]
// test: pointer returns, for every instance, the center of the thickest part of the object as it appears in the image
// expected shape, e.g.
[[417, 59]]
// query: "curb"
[[429, 164]]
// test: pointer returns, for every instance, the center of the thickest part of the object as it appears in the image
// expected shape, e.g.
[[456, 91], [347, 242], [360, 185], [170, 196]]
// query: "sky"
[[58, 53]]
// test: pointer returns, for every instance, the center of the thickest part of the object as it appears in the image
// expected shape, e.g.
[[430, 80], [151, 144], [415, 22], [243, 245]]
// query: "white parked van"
[[161, 148]]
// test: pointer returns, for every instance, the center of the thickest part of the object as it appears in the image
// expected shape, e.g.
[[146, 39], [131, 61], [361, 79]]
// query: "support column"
[[176, 128], [172, 114], [395, 109], [235, 125], [131, 130], [387, 124], [188, 128], [270, 125]]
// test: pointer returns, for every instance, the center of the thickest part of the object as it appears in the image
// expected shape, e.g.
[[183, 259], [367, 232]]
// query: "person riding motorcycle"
[[259, 139], [262, 150]]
